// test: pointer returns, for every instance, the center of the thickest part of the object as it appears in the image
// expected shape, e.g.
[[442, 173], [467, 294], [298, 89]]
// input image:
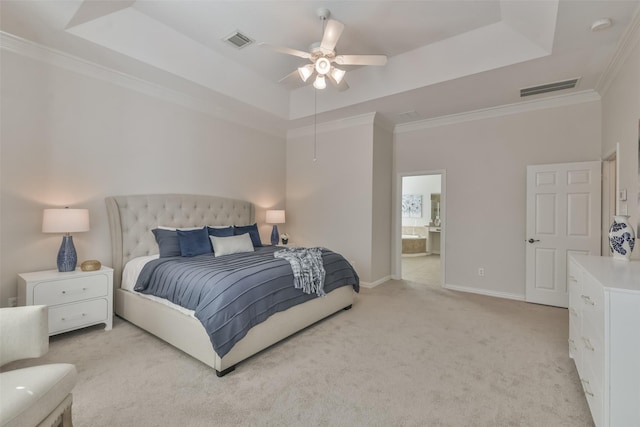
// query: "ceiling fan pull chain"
[[315, 122]]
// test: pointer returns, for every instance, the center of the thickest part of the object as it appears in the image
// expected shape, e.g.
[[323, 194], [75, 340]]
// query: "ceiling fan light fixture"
[[323, 65], [305, 72], [337, 74], [320, 82]]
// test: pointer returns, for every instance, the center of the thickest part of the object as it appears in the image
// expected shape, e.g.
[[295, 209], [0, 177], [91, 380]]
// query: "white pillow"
[[231, 244]]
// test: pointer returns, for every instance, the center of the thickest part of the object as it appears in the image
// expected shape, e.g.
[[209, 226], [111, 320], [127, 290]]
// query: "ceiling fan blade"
[[332, 33], [361, 59], [287, 50], [342, 86]]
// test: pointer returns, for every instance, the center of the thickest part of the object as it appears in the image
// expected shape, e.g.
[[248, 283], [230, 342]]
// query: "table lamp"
[[66, 221], [275, 217]]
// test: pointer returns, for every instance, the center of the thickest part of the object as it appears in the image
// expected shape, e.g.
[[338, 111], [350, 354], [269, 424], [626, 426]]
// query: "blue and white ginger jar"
[[622, 237]]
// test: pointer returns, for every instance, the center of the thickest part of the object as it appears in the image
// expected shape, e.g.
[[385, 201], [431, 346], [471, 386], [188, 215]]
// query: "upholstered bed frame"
[[131, 219]]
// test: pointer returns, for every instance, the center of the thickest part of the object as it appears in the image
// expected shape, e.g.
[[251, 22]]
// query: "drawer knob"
[[79, 291], [584, 387], [587, 344], [73, 317], [587, 300]]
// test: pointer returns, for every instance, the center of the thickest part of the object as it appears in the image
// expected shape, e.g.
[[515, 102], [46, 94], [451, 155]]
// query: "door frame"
[[397, 220], [559, 237], [610, 199]]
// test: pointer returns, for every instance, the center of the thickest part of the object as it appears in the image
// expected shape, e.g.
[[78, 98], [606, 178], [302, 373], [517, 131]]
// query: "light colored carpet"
[[403, 356]]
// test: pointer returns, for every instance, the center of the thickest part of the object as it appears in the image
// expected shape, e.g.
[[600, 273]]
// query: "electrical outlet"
[[481, 272], [12, 301]]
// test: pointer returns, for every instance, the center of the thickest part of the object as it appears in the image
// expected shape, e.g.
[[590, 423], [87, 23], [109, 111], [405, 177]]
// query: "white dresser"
[[76, 299], [604, 336]]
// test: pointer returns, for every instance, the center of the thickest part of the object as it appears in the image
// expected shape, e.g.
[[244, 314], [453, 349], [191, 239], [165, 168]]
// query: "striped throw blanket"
[[308, 271]]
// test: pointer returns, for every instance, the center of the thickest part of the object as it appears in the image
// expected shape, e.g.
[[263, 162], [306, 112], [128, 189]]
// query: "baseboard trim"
[[487, 292], [370, 285]]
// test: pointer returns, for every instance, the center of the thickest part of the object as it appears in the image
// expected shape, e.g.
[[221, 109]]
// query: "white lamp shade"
[[65, 220], [275, 217], [337, 74], [305, 72], [320, 83]]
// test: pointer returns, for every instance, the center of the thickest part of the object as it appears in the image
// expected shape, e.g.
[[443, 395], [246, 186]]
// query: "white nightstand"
[[76, 299]]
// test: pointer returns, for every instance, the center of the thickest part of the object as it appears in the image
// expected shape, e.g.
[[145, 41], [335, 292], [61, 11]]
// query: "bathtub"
[[413, 244]]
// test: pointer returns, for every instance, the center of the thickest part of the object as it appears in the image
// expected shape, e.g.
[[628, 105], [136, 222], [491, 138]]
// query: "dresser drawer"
[[592, 358], [592, 297], [72, 316], [593, 392], [66, 290]]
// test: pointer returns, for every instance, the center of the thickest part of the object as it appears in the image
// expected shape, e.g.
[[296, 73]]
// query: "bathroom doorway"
[[421, 230]]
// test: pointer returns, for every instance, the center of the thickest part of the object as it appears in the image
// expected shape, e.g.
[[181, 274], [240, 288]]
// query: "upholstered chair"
[[38, 395]]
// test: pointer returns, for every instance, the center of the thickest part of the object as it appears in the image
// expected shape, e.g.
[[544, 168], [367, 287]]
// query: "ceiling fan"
[[323, 57]]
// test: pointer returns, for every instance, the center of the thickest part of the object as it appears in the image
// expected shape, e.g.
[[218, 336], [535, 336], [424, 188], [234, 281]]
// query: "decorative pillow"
[[194, 242], [167, 242], [253, 233], [220, 231], [231, 245]]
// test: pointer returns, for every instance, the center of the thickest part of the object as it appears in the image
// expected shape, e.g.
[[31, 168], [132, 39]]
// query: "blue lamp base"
[[67, 256], [275, 236]]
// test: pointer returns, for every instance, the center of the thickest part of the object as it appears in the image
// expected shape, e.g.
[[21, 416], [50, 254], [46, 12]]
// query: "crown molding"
[[503, 110], [348, 122], [626, 44], [27, 48]]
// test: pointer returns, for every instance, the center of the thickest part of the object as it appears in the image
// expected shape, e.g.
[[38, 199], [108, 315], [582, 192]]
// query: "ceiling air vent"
[[238, 39], [549, 87]]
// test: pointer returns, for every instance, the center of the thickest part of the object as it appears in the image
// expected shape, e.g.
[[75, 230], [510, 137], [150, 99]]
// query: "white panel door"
[[563, 217]]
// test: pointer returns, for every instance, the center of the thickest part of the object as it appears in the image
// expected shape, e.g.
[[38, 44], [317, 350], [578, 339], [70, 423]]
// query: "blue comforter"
[[231, 294]]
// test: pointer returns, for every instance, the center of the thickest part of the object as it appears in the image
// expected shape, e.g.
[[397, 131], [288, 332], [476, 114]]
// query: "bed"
[[131, 221]]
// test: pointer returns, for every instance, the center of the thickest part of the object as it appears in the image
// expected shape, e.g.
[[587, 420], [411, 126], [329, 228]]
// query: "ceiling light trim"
[[629, 39], [74, 64], [486, 48], [183, 57], [502, 110], [333, 125]]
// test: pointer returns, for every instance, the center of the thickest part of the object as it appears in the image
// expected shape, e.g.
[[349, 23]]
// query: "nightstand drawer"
[[71, 289], [71, 316]]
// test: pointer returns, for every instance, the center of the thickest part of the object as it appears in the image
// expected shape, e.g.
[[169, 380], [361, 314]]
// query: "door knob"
[[532, 241]]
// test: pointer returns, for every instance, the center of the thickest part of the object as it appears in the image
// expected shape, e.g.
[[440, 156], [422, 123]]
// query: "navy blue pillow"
[[167, 242], [194, 242], [220, 232], [253, 233]]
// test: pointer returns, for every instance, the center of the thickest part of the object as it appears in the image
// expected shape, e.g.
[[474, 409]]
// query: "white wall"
[[343, 200], [381, 232], [329, 201], [485, 162], [620, 124], [71, 140], [423, 185]]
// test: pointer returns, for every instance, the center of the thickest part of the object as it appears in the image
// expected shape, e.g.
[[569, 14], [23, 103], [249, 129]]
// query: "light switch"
[[622, 195]]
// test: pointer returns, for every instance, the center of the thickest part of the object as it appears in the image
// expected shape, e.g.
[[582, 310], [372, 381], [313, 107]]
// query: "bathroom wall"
[[423, 185]]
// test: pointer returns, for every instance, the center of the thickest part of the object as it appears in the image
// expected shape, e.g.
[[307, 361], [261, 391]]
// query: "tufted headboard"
[[131, 219]]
